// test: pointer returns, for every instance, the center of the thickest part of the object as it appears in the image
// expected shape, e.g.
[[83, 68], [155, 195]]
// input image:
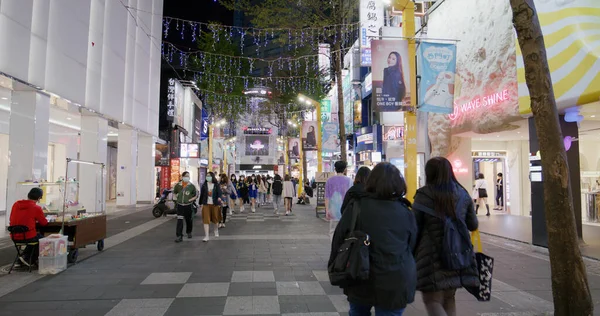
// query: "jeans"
[[276, 202], [440, 303], [184, 212], [365, 310]]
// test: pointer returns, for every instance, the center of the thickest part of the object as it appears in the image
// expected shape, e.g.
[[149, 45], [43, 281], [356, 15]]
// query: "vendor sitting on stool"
[[28, 213]]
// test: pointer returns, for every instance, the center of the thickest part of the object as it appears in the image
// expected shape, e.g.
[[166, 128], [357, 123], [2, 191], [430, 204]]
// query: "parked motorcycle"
[[164, 206]]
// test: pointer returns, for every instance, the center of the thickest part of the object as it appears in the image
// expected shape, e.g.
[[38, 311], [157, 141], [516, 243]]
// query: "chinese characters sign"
[[371, 20], [171, 100]]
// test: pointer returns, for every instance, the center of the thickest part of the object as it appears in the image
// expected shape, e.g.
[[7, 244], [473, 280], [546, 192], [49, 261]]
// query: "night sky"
[[196, 10]]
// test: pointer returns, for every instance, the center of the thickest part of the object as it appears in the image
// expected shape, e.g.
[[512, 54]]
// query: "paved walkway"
[[519, 228], [261, 265]]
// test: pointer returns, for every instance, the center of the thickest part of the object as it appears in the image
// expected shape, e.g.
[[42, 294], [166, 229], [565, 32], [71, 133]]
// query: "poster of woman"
[[391, 84], [309, 135], [294, 148]]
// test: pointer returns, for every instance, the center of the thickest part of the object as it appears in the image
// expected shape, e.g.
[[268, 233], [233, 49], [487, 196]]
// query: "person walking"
[[252, 191], [277, 192], [335, 190], [392, 229], [227, 190], [242, 189], [482, 195], [262, 190], [446, 197], [269, 181], [210, 198], [186, 194], [234, 195], [288, 194], [499, 193], [360, 180]]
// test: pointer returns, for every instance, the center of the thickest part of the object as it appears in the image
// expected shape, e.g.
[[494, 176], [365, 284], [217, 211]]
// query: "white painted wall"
[[92, 52]]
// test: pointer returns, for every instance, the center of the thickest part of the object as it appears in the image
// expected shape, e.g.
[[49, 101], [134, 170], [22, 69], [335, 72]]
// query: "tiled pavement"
[[271, 267]]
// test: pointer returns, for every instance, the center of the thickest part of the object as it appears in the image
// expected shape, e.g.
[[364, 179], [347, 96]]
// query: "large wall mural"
[[486, 91], [572, 36]]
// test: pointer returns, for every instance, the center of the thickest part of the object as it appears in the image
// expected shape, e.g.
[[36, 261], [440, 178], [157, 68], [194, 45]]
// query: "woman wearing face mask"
[[234, 195], [252, 191], [210, 198], [262, 190], [227, 190], [394, 88], [242, 188], [186, 194]]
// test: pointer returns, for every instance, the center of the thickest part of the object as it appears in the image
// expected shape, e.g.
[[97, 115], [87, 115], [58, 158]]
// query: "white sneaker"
[[253, 211], [222, 225], [217, 234], [205, 239]]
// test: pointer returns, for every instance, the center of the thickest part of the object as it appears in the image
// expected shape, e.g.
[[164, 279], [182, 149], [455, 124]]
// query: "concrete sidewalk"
[[262, 264]]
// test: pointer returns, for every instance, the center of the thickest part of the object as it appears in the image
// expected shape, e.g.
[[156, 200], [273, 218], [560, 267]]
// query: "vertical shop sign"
[[197, 135], [391, 82], [438, 68], [325, 111], [325, 61], [171, 100], [165, 178], [175, 164], [371, 20], [205, 125]]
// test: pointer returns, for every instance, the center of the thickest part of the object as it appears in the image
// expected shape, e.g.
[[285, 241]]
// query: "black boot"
[[476, 209], [488, 210]]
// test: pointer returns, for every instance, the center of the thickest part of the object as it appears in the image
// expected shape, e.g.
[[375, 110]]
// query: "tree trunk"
[[341, 115], [569, 278]]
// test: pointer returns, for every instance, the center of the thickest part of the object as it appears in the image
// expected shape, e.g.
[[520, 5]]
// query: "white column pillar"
[[126, 167], [146, 173], [28, 142], [93, 148]]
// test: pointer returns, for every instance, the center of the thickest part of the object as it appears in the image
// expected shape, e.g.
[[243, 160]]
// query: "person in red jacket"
[[28, 213]]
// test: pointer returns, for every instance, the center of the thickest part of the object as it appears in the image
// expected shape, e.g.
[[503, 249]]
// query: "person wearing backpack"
[[277, 192], [383, 219], [444, 254]]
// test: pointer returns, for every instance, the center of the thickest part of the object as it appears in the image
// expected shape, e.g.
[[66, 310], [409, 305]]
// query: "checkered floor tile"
[[246, 293]]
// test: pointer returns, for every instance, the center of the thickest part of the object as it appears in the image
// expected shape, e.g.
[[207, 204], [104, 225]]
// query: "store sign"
[[325, 60], [368, 84], [171, 100], [205, 125], [393, 133], [197, 134], [371, 20], [479, 102], [458, 168], [256, 130], [365, 139], [488, 153]]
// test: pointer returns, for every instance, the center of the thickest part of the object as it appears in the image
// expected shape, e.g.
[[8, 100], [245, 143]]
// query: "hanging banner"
[[391, 84], [331, 137], [309, 135], [371, 20], [294, 148], [218, 148], [325, 111], [438, 68], [325, 61], [205, 125]]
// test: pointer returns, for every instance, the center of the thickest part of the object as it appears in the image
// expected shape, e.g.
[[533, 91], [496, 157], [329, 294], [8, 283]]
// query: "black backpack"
[[457, 248], [351, 263], [277, 187]]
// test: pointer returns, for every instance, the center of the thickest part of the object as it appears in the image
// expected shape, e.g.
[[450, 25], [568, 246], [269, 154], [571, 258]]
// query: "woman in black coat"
[[441, 193], [385, 216]]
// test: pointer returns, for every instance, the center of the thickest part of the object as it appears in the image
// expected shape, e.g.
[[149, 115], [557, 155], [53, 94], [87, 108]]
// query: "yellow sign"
[[572, 37]]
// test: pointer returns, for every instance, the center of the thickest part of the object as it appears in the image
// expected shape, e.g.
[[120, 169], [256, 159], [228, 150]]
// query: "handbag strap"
[[355, 214]]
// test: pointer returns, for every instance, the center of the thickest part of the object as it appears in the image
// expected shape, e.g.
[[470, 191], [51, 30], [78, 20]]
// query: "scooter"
[[164, 206]]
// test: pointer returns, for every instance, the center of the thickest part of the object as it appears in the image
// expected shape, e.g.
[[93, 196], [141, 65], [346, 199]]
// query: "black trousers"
[[32, 252], [500, 197], [224, 210], [184, 212]]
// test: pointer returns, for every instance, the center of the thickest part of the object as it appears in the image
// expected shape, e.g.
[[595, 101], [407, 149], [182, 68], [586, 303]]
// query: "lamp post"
[[410, 118]]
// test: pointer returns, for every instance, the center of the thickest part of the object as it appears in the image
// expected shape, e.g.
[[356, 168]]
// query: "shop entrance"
[[490, 164]]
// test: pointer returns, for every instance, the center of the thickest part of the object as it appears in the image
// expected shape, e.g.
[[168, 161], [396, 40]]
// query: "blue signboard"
[[438, 67]]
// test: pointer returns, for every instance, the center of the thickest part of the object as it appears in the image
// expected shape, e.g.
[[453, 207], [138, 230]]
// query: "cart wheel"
[[72, 257], [100, 245]]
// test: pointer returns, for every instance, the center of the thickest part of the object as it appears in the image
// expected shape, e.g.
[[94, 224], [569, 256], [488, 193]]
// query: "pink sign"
[[479, 102]]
